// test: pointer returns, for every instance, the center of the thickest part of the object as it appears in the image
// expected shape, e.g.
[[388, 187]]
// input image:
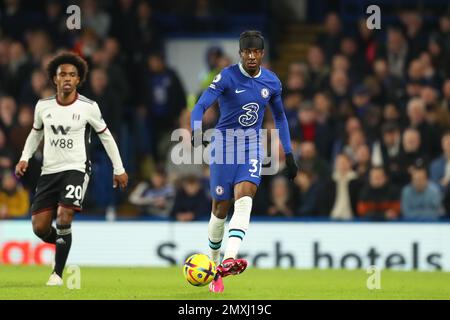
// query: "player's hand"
[[120, 180], [197, 138], [291, 167], [21, 168]]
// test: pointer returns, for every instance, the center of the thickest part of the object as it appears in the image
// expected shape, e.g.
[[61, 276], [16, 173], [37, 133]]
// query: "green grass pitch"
[[28, 282]]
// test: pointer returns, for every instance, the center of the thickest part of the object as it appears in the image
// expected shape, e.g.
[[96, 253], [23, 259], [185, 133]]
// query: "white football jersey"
[[67, 132]]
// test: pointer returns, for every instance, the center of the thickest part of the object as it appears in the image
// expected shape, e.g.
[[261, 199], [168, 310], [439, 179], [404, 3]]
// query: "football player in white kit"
[[65, 121]]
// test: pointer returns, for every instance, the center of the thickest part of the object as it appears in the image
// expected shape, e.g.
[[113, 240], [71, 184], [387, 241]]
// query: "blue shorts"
[[223, 177]]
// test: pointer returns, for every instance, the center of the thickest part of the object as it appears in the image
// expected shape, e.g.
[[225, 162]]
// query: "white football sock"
[[216, 229], [238, 226]]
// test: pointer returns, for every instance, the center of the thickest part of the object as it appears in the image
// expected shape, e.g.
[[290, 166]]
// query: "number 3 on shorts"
[[73, 192], [254, 168]]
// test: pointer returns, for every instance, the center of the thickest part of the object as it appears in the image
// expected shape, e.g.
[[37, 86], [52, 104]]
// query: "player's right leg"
[[43, 211], [221, 192], [42, 225]]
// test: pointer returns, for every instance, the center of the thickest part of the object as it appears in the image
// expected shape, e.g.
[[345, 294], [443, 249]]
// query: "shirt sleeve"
[[95, 119], [207, 99], [37, 123], [281, 123]]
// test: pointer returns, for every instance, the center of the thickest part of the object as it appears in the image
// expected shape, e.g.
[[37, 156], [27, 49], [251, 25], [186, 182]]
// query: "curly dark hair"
[[68, 58]]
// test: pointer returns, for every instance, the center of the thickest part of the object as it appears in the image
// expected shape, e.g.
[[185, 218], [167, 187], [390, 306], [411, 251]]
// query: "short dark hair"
[[68, 58], [246, 38]]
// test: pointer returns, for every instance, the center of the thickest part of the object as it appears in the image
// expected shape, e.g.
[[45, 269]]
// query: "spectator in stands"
[[297, 82], [396, 52], [163, 96], [390, 147], [367, 112], [330, 39], [110, 58], [148, 33], [362, 161], [306, 126], [417, 38], [281, 202], [421, 199], [32, 88], [439, 59], [410, 153], [444, 31], [6, 153], [307, 194], [154, 197], [391, 113], [292, 102], [355, 140], [417, 119], [366, 42], [212, 57], [18, 70], [391, 86], [55, 23], [446, 95], [311, 162], [100, 90], [317, 71], [8, 109], [339, 87], [378, 200], [339, 193], [191, 201], [14, 199], [19, 133], [325, 125], [440, 167], [349, 48], [94, 18]]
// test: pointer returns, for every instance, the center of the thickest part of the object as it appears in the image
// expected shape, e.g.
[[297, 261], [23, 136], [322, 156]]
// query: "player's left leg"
[[73, 187], [244, 193], [63, 238]]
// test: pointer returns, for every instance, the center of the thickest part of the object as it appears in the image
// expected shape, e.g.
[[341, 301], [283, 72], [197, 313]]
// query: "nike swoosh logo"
[[239, 91]]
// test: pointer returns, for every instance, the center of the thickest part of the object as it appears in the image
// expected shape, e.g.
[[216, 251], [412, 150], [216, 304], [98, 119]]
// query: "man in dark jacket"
[[379, 200]]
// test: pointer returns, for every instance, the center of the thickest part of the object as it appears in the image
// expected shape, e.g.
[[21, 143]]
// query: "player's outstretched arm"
[[120, 177], [282, 125], [31, 144], [207, 99]]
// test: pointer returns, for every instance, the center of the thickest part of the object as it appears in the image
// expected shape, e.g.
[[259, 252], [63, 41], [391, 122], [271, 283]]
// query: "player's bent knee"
[[41, 229]]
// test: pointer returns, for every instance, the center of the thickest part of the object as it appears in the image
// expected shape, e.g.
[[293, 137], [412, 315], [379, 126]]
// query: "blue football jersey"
[[242, 98], [242, 102]]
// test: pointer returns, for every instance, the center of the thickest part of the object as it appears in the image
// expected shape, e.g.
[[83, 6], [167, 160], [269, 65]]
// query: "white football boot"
[[54, 280]]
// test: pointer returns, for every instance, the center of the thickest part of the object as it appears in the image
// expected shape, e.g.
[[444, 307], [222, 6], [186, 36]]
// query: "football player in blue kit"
[[243, 90]]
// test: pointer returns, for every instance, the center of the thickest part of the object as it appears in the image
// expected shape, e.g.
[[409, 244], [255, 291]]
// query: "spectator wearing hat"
[[421, 199]]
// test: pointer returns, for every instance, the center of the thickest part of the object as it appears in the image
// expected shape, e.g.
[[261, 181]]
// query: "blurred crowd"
[[368, 112]]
